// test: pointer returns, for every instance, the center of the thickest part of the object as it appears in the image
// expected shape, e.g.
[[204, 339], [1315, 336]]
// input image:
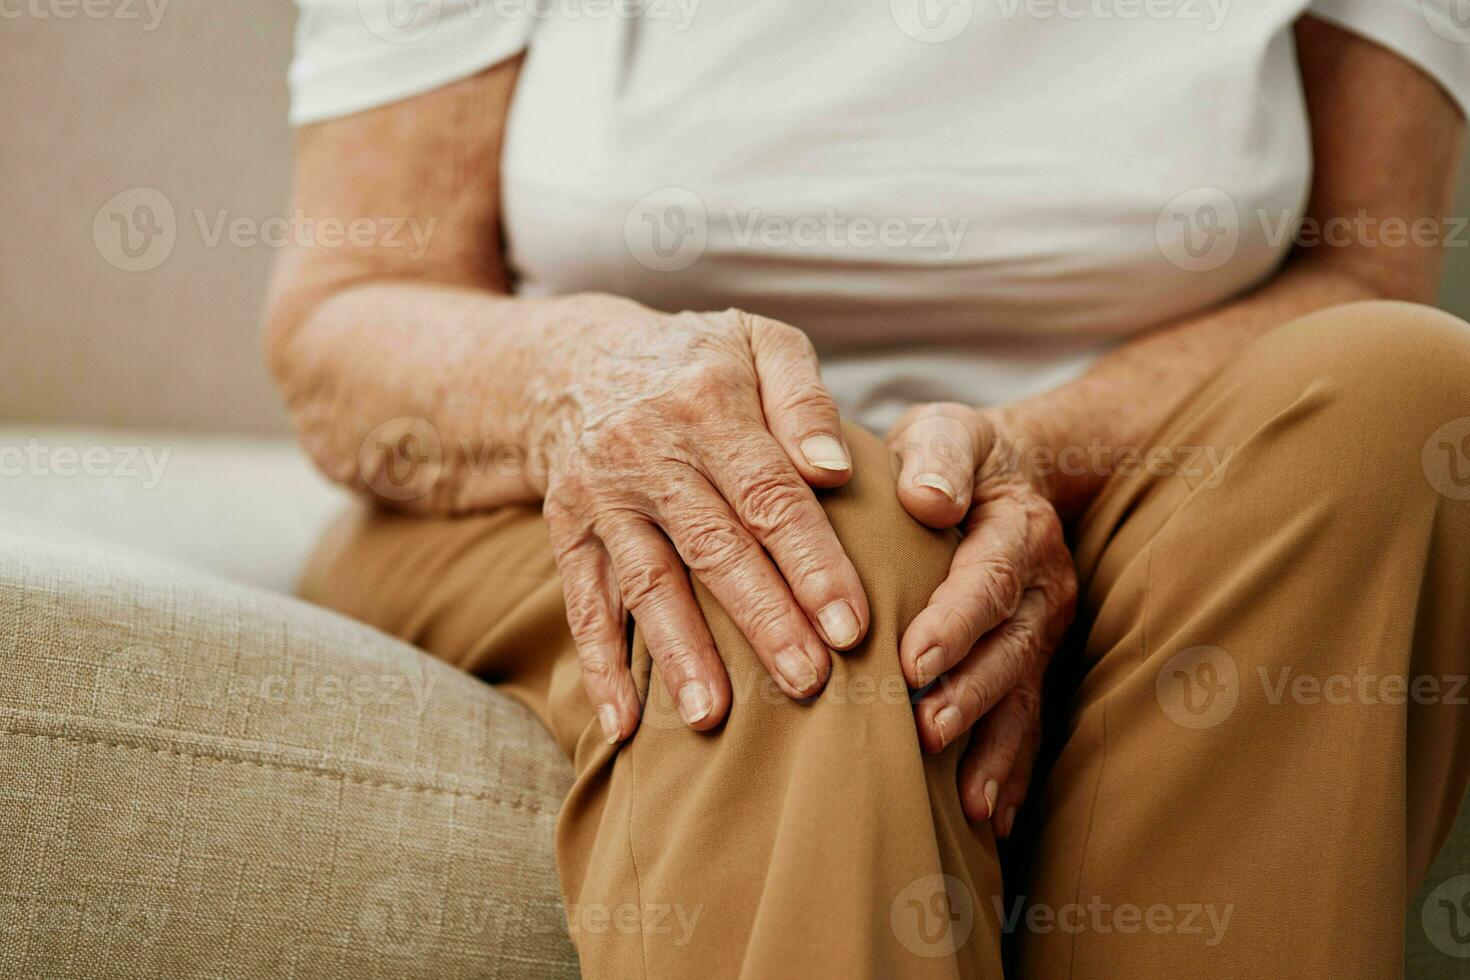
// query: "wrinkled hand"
[[989, 631], [689, 443]]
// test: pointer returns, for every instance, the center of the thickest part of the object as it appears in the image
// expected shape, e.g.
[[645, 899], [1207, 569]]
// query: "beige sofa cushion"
[[199, 778], [248, 509]]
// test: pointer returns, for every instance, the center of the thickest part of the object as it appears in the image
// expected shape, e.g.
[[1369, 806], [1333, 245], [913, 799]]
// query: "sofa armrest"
[[193, 771]]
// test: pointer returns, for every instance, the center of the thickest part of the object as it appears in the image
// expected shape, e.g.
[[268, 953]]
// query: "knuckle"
[[770, 503], [1023, 640], [587, 615], [764, 617], [981, 692], [1028, 702], [598, 669], [677, 664], [646, 581], [711, 385], [963, 621], [1002, 584], [713, 546], [808, 397]]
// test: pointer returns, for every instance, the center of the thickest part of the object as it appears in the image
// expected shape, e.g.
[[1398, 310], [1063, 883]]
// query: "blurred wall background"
[[185, 99]]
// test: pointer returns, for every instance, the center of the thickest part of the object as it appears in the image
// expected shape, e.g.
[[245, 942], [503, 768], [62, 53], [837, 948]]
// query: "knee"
[[900, 561], [1372, 386], [1393, 361]]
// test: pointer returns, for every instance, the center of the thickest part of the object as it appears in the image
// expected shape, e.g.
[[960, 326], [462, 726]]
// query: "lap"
[[1289, 515], [1287, 539]]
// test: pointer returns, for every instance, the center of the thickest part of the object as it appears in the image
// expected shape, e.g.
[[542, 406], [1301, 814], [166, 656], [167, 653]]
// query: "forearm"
[[1073, 435], [461, 372]]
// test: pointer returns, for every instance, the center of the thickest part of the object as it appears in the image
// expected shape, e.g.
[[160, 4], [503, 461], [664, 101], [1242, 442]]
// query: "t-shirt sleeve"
[[1431, 34], [357, 54]]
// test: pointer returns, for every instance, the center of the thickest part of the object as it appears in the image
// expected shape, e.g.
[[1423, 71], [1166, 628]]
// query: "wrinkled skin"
[[988, 633], [688, 444]]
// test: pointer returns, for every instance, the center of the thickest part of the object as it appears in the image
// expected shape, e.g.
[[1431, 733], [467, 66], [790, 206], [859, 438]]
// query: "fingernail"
[[609, 718], [825, 453], [840, 623], [992, 788], [1008, 822], [948, 723], [928, 664], [694, 702], [797, 670], [936, 482]]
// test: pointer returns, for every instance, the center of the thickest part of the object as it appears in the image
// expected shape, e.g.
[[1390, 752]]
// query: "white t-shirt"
[[956, 199]]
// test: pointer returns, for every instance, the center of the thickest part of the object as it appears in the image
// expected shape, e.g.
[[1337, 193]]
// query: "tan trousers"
[[1263, 749]]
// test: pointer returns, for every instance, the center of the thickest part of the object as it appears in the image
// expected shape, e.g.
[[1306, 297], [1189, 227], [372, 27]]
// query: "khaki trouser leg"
[[799, 840], [1240, 753], [1210, 813]]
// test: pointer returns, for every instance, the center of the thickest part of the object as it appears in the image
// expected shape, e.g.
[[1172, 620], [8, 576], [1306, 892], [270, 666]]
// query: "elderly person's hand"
[[985, 639], [691, 441]]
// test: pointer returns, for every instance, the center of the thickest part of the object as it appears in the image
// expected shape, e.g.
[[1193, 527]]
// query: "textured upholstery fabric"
[[202, 779]]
